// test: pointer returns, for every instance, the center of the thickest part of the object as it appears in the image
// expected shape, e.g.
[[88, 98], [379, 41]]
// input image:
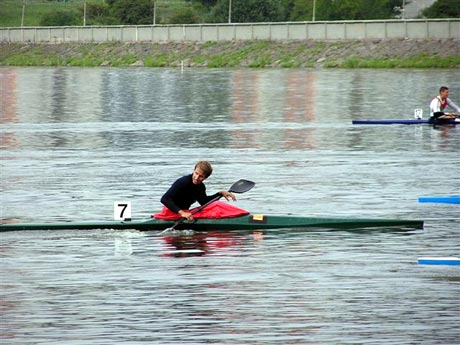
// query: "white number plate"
[[121, 210]]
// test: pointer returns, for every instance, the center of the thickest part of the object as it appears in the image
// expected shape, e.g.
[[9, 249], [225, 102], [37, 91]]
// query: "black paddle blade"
[[241, 186]]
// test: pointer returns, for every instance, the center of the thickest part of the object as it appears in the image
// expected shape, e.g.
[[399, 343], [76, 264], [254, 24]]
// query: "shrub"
[[61, 18]]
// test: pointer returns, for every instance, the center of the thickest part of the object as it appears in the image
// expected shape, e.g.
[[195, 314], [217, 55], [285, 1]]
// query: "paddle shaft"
[[452, 114]]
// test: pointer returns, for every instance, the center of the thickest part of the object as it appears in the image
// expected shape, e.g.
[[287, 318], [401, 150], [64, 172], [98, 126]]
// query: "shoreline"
[[389, 53]]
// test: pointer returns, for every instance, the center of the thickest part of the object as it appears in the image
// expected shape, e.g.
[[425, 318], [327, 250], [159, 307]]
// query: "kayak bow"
[[448, 199], [452, 261], [248, 222]]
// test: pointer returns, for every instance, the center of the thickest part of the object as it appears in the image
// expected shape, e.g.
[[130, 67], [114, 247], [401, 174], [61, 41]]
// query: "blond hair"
[[205, 166]]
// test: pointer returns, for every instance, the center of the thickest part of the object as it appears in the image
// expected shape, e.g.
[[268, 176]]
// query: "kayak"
[[448, 199], [401, 122], [453, 261], [246, 222]]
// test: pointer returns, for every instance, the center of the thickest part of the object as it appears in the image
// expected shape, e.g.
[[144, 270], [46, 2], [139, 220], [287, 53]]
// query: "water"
[[74, 141]]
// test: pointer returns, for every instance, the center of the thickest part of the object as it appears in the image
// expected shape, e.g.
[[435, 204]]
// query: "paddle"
[[456, 116], [240, 186]]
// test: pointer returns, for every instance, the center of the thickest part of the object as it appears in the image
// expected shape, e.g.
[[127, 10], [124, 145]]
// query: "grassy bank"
[[12, 11], [252, 54]]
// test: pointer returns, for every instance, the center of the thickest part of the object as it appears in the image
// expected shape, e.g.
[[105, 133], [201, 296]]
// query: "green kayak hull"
[[249, 222]]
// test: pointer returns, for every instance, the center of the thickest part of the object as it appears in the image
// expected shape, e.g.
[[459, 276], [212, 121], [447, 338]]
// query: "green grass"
[[288, 62], [419, 61], [11, 10], [222, 60], [157, 61], [82, 62], [209, 44], [261, 62]]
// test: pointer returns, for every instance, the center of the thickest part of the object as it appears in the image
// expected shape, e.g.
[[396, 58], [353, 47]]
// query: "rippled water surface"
[[74, 141]]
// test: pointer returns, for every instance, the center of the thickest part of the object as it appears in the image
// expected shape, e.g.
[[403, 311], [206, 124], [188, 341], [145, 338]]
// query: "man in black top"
[[189, 189]]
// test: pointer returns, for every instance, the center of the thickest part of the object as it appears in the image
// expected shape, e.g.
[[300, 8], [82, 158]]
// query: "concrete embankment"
[[411, 53]]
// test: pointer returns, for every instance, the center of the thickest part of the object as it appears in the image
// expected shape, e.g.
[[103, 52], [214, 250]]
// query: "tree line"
[[144, 12]]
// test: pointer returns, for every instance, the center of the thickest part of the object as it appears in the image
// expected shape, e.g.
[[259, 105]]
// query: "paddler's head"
[[444, 92], [202, 171]]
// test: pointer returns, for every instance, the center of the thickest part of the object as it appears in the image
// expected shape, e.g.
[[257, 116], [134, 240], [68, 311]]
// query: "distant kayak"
[[452, 261], [448, 199], [400, 122]]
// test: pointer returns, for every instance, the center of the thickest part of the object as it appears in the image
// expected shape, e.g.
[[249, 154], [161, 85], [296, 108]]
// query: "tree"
[[301, 10], [184, 15], [356, 9], [61, 18], [443, 9], [207, 3], [98, 14], [127, 13], [247, 11]]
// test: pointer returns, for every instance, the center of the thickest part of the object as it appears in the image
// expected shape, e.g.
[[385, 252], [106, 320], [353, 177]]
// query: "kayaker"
[[189, 189], [439, 103]]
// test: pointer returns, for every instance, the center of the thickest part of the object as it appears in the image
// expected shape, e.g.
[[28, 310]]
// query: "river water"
[[76, 140]]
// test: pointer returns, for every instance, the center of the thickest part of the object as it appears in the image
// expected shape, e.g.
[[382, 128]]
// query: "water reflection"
[[58, 94], [240, 109], [203, 243], [8, 105], [8, 101], [153, 95]]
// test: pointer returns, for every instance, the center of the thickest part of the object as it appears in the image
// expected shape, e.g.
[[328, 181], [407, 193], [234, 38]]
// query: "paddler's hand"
[[228, 195], [187, 215]]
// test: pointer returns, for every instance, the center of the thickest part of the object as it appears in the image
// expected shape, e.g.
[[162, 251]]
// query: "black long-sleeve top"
[[183, 193]]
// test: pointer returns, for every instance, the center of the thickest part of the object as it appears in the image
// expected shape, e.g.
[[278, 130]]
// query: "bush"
[[61, 18], [184, 16], [443, 9], [97, 14], [126, 13]]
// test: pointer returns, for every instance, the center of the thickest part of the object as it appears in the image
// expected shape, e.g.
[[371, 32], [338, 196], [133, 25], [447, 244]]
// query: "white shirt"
[[435, 105]]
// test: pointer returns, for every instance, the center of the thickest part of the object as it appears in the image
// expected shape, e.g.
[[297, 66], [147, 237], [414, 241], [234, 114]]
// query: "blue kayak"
[[400, 122], [452, 261], [448, 199]]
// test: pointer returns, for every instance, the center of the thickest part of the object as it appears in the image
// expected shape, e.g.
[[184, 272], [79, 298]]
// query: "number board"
[[122, 210]]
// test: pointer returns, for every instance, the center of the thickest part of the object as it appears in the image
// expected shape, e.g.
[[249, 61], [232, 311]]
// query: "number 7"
[[123, 209]]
